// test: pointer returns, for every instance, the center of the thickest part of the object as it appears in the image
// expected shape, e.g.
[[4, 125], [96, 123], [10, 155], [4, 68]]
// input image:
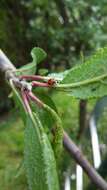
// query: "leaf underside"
[[89, 79], [39, 158], [50, 121]]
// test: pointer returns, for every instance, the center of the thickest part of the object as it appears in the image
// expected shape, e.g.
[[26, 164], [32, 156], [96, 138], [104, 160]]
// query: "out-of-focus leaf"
[[20, 169], [38, 55], [39, 157], [43, 71]]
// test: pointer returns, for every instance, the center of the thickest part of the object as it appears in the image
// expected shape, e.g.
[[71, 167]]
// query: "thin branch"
[[63, 12], [40, 84], [5, 64], [25, 100], [75, 152], [34, 77], [102, 170], [82, 118], [7, 67]]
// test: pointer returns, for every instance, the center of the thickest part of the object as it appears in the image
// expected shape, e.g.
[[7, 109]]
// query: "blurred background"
[[68, 30]]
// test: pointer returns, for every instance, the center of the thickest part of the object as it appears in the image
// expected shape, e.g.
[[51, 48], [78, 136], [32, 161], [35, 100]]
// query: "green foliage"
[[11, 142], [58, 76], [63, 37], [39, 158], [51, 121], [38, 55], [89, 79], [83, 81], [58, 131], [45, 117], [45, 24]]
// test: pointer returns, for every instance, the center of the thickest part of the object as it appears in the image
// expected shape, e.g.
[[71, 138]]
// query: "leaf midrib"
[[81, 83]]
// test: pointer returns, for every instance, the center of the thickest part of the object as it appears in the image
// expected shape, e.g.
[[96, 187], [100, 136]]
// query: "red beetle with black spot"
[[51, 82]]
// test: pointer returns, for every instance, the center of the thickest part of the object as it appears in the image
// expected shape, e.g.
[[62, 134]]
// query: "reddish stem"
[[40, 84], [33, 77], [35, 99], [25, 100]]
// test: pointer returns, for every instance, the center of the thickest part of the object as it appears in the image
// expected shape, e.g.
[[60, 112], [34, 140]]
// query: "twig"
[[102, 170], [82, 117], [78, 156], [7, 67]]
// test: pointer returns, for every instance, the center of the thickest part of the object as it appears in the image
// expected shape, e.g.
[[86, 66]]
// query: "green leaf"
[[50, 120], [39, 157], [20, 169], [38, 55], [46, 119], [89, 79], [43, 71], [58, 76], [58, 130], [39, 160]]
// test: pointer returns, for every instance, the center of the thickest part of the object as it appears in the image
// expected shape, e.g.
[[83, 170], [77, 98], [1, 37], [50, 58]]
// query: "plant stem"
[[34, 77], [40, 84], [74, 151], [35, 99], [82, 118], [81, 83], [68, 143], [26, 103], [5, 63]]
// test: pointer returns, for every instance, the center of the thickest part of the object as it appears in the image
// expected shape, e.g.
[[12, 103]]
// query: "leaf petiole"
[[82, 83], [34, 77]]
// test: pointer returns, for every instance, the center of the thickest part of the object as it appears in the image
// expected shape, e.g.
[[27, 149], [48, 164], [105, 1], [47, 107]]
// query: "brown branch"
[[75, 152], [60, 4], [7, 67], [63, 12], [5, 64], [82, 117], [102, 170]]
